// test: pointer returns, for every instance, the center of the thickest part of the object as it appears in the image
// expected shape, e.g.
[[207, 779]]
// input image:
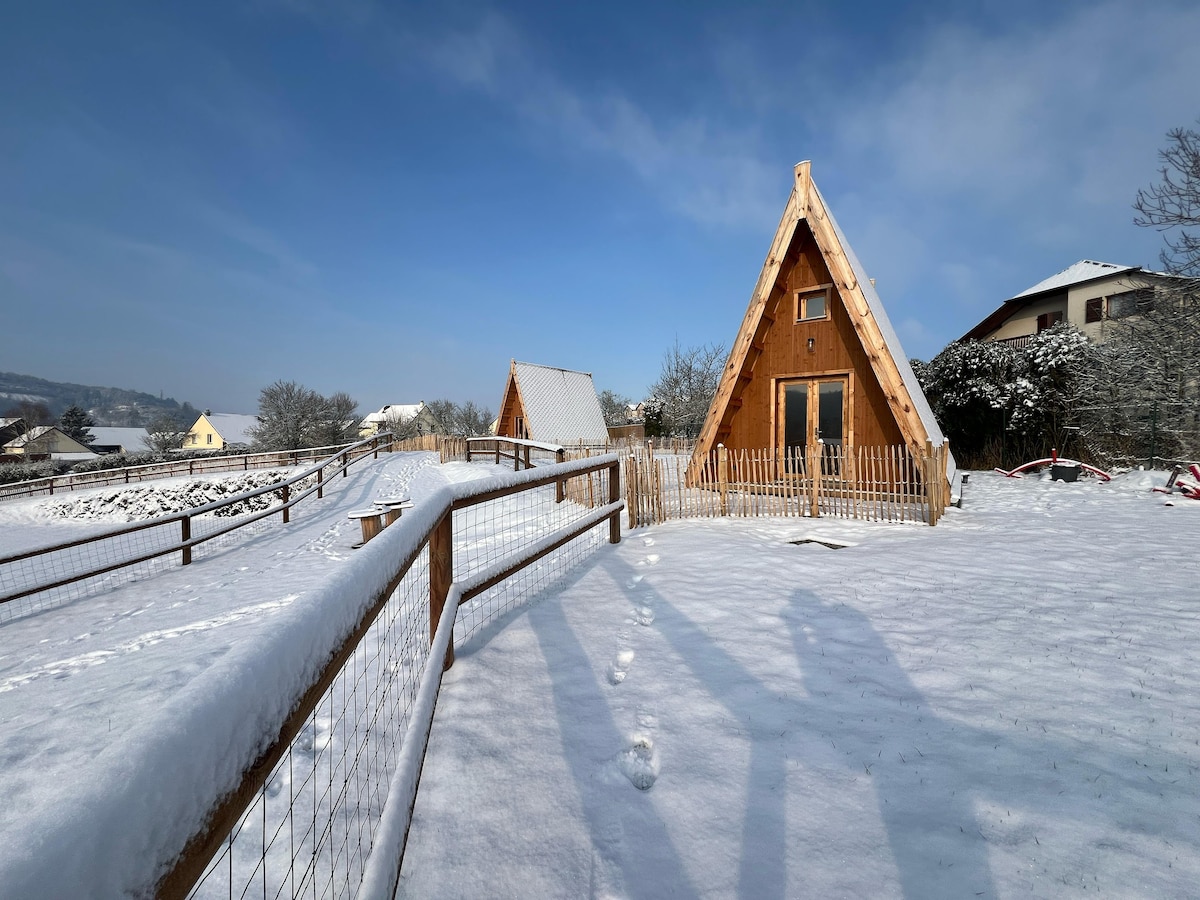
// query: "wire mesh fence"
[[312, 823], [197, 465], [41, 579], [487, 534], [306, 822]]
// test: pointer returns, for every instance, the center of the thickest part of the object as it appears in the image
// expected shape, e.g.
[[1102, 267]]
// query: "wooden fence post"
[[286, 508], [614, 494], [813, 461], [723, 477], [441, 574], [928, 473], [560, 487], [631, 499], [320, 482], [186, 523]]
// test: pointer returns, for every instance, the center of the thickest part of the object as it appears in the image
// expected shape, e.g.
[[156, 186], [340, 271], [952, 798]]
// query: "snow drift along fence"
[[203, 465], [42, 578], [324, 810], [883, 484]]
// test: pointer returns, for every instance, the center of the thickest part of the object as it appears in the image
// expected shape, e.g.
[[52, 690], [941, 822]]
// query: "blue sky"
[[395, 199]]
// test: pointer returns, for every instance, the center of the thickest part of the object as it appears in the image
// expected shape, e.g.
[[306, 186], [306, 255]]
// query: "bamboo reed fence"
[[881, 484]]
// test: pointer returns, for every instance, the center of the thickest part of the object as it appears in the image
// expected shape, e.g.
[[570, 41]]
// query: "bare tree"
[[614, 407], [165, 432], [31, 412], [291, 416], [336, 422], [686, 386], [1173, 205], [1154, 367], [472, 420]]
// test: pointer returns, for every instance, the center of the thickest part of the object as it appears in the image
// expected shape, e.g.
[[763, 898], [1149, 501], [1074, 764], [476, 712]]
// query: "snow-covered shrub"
[[11, 473], [148, 501], [1000, 405]]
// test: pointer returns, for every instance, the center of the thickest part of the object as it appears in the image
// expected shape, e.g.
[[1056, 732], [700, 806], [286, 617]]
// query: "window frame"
[[802, 296], [1050, 319]]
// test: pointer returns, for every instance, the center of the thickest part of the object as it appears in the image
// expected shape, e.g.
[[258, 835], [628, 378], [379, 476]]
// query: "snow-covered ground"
[[1005, 705]]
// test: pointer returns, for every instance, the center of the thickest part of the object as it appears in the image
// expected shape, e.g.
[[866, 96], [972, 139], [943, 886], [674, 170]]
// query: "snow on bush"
[[130, 504]]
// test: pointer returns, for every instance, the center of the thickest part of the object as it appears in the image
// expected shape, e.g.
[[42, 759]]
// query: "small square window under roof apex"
[[813, 303]]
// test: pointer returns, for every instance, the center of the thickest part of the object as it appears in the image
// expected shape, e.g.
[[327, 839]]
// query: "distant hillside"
[[106, 405]]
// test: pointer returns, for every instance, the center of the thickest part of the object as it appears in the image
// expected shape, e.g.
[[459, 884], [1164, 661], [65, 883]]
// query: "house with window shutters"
[[1091, 295]]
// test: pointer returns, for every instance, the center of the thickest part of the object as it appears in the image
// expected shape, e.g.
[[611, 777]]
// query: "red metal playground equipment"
[[1061, 469], [1177, 485]]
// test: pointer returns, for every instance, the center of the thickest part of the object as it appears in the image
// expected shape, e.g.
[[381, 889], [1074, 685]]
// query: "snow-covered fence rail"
[[324, 810], [888, 483], [195, 465], [520, 451], [35, 580]]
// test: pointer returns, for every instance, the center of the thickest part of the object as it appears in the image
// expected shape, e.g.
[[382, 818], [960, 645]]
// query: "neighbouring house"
[[220, 431], [816, 365], [1090, 295], [47, 441], [416, 417], [109, 439], [11, 428], [555, 406]]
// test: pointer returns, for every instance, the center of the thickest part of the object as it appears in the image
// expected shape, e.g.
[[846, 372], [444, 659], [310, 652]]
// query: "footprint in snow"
[[649, 542], [643, 615], [635, 581], [619, 667], [652, 559], [640, 763]]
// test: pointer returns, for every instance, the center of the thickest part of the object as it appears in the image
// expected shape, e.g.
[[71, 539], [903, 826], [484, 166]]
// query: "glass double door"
[[812, 412]]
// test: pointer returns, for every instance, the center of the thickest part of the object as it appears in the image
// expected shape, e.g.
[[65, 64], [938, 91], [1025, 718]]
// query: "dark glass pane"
[[795, 420], [829, 423]]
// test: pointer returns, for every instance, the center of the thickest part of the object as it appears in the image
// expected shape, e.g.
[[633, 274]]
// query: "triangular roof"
[[1082, 272], [402, 411], [905, 398], [131, 439], [232, 427], [561, 406], [40, 431]]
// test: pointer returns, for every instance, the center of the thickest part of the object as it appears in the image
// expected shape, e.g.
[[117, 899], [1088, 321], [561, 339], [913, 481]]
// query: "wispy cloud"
[[697, 165], [1069, 104]]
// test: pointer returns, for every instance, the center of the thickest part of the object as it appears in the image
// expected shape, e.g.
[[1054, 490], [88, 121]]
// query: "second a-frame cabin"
[[816, 365], [557, 406]]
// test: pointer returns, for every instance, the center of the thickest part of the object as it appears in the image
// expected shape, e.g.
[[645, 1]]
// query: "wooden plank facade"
[[815, 362]]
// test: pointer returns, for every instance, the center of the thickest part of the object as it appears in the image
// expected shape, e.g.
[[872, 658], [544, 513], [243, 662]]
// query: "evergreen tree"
[[75, 422]]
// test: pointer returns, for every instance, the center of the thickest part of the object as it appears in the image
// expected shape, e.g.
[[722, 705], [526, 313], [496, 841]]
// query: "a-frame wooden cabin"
[[816, 362], [553, 405]]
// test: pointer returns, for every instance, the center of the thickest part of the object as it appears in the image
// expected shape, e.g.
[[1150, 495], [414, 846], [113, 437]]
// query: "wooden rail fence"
[[36, 576], [198, 465]]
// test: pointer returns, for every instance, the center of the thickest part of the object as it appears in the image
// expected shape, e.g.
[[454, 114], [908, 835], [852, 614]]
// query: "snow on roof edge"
[[891, 340]]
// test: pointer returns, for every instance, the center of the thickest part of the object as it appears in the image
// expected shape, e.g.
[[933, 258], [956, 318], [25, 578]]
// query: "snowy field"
[[1005, 705]]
